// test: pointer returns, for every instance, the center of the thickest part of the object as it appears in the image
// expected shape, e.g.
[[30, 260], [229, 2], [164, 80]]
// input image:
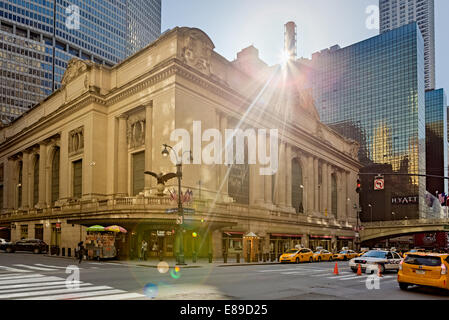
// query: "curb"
[[202, 266]]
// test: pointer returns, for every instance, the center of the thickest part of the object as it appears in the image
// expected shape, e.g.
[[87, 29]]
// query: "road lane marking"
[[76, 296], [48, 266], [29, 285], [124, 296], [28, 276], [61, 286], [51, 292], [321, 275], [18, 281], [353, 278], [34, 268], [295, 269], [14, 269]]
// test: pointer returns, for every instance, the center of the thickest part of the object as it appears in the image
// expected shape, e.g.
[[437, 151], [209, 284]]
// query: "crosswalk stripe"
[[34, 268], [6, 275], [295, 269], [322, 275], [74, 296], [40, 288], [51, 292], [28, 276], [353, 278], [17, 281], [38, 284], [124, 296], [9, 269], [54, 267]]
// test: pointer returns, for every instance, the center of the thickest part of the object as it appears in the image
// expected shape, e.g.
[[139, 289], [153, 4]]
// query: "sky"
[[236, 24]]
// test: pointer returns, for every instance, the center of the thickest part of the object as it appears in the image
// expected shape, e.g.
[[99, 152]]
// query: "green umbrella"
[[95, 229]]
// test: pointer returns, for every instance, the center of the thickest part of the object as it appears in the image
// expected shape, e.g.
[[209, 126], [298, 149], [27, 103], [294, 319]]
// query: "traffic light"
[[359, 186]]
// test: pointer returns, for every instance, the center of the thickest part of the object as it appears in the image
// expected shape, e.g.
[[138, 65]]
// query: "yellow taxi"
[[362, 253], [414, 251], [322, 255], [345, 255], [297, 256], [424, 269]]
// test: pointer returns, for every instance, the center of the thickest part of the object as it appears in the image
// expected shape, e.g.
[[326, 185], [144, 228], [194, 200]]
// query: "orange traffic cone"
[[379, 272], [359, 270], [336, 269]]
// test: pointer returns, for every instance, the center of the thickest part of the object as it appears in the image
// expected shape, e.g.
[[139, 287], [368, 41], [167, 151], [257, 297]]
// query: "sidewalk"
[[201, 263]]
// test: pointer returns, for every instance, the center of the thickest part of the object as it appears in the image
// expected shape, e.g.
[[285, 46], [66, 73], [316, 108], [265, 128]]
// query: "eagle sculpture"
[[161, 180]]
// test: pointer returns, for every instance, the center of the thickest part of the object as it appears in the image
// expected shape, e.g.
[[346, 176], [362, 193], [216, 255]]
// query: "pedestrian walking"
[[80, 251], [144, 249]]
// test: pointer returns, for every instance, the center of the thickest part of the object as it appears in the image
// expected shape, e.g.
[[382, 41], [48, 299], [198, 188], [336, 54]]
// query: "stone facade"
[[107, 117]]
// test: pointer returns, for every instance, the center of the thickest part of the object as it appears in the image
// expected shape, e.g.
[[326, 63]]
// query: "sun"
[[284, 57]]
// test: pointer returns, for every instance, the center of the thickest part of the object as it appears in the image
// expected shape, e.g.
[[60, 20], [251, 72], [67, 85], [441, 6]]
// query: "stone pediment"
[[75, 67], [195, 49]]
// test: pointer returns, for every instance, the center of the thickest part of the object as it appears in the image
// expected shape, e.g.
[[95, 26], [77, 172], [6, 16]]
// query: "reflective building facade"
[[437, 140], [373, 92], [39, 37]]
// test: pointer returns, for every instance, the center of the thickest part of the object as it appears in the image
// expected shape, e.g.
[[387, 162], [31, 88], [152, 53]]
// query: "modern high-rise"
[[39, 37], [397, 13], [373, 92], [436, 140]]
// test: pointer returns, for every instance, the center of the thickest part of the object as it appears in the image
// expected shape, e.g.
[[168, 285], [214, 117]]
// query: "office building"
[[373, 92], [397, 13], [39, 37], [437, 141]]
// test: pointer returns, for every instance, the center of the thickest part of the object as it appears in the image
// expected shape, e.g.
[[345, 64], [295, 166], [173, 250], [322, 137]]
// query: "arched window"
[[19, 185], [334, 195], [238, 180], [55, 175], [36, 181], [297, 186]]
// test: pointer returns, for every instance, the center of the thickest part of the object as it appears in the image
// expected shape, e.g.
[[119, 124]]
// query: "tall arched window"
[[36, 181], [334, 195], [238, 180], [55, 175], [19, 185], [297, 186]]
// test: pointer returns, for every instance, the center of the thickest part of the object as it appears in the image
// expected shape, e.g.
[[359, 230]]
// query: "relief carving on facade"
[[196, 49], [75, 67], [76, 140], [136, 130]]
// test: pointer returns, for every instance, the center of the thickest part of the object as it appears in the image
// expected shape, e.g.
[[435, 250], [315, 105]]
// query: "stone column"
[[148, 147], [27, 188], [9, 188], [310, 185], [267, 182], [224, 168], [346, 203], [281, 182], [42, 175], [122, 159], [289, 176], [325, 188], [316, 188], [329, 194]]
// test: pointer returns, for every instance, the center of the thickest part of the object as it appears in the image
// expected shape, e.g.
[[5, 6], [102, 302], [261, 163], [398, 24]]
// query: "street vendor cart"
[[101, 242]]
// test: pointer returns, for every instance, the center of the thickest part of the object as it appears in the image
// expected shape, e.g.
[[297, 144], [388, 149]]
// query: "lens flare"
[[175, 274], [163, 267], [150, 290]]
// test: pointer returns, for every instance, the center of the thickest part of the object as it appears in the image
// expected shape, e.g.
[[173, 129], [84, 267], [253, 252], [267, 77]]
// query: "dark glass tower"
[[436, 140], [39, 37], [373, 92]]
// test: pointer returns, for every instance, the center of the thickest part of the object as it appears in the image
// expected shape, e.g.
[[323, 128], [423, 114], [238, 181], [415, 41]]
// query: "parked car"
[[322, 255], [297, 256], [424, 269], [344, 255], [373, 260], [32, 245], [3, 242]]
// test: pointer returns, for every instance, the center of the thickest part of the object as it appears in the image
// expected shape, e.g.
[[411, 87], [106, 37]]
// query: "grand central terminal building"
[[78, 158]]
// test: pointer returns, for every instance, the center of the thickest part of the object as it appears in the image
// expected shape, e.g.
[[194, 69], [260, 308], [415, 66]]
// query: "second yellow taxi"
[[297, 256]]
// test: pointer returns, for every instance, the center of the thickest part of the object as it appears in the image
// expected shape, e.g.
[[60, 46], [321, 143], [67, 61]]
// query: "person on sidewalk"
[[80, 252], [144, 249]]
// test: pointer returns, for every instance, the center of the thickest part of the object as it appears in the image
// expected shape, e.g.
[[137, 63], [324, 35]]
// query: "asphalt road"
[[29, 276]]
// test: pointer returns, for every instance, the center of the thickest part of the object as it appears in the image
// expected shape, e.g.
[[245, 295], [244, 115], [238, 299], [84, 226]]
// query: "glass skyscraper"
[[39, 37], [437, 140], [374, 92]]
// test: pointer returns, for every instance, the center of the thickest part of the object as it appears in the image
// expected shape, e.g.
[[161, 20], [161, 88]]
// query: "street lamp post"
[[166, 153], [394, 215]]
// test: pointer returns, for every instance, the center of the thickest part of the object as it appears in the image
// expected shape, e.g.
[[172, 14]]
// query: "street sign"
[[379, 183], [189, 210], [179, 220], [174, 210]]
